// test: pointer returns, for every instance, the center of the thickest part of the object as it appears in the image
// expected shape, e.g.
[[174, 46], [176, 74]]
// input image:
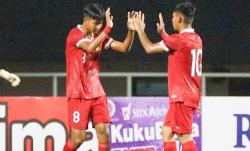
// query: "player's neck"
[[183, 27]]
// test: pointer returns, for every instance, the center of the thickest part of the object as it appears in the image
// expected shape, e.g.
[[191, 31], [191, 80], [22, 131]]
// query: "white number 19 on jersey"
[[196, 62]]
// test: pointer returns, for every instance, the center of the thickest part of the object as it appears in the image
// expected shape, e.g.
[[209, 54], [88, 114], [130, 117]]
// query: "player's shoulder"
[[197, 37], [189, 35], [175, 35], [74, 31]]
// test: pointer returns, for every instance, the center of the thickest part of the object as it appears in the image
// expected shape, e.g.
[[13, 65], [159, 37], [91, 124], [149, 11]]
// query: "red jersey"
[[83, 67], [184, 67]]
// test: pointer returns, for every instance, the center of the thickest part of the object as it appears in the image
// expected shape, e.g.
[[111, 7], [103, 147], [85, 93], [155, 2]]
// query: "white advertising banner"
[[226, 124]]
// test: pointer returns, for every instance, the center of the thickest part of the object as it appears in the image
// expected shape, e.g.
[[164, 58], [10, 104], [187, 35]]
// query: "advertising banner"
[[33, 123], [40, 124], [137, 121], [226, 124]]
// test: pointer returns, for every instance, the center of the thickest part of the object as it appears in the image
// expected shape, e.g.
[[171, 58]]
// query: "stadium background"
[[33, 37]]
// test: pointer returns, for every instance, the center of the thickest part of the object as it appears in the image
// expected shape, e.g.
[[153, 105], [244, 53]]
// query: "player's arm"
[[91, 46], [125, 46], [161, 28], [149, 46], [12, 78], [169, 42]]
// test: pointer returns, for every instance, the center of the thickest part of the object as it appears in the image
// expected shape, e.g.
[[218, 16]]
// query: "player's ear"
[[181, 19], [85, 19]]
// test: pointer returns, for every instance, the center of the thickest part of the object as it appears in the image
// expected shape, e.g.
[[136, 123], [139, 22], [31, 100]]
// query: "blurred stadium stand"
[[33, 33]]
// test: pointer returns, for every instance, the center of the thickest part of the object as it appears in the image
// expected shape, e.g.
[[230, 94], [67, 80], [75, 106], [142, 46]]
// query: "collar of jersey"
[[189, 30]]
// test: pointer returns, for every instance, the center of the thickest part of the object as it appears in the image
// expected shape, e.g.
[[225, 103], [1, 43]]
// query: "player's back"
[[184, 68]]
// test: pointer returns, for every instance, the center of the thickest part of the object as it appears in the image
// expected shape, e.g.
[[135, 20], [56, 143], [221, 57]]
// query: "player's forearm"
[[94, 44], [98, 40], [127, 43], [146, 43]]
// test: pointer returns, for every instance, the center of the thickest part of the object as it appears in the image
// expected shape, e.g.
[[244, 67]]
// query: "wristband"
[[107, 29]]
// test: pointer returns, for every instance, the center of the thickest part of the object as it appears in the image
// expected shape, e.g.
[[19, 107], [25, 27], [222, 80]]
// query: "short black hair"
[[94, 11], [187, 9]]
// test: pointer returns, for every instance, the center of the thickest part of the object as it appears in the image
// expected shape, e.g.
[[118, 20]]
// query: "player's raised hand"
[[160, 25], [109, 18], [130, 23], [139, 21], [141, 17]]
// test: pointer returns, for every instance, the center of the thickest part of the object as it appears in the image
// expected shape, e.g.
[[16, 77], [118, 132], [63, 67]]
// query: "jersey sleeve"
[[173, 42], [164, 46], [107, 42]]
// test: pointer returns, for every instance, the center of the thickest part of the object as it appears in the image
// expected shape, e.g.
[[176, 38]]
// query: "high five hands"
[[130, 24], [137, 22]]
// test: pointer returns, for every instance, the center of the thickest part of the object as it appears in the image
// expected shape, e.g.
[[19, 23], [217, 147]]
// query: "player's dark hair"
[[187, 9], [94, 11]]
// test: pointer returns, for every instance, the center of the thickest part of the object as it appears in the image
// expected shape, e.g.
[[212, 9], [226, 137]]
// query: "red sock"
[[103, 147], [169, 146], [69, 146], [189, 146]]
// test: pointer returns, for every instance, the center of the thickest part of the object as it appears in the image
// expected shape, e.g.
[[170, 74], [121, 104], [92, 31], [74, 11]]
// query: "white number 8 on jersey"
[[76, 117]]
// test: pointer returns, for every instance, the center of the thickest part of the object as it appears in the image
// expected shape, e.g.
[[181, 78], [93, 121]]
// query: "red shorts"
[[179, 118], [80, 111]]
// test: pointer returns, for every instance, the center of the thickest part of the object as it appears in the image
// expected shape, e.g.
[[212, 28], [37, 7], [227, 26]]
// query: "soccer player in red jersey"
[[86, 97], [184, 72]]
